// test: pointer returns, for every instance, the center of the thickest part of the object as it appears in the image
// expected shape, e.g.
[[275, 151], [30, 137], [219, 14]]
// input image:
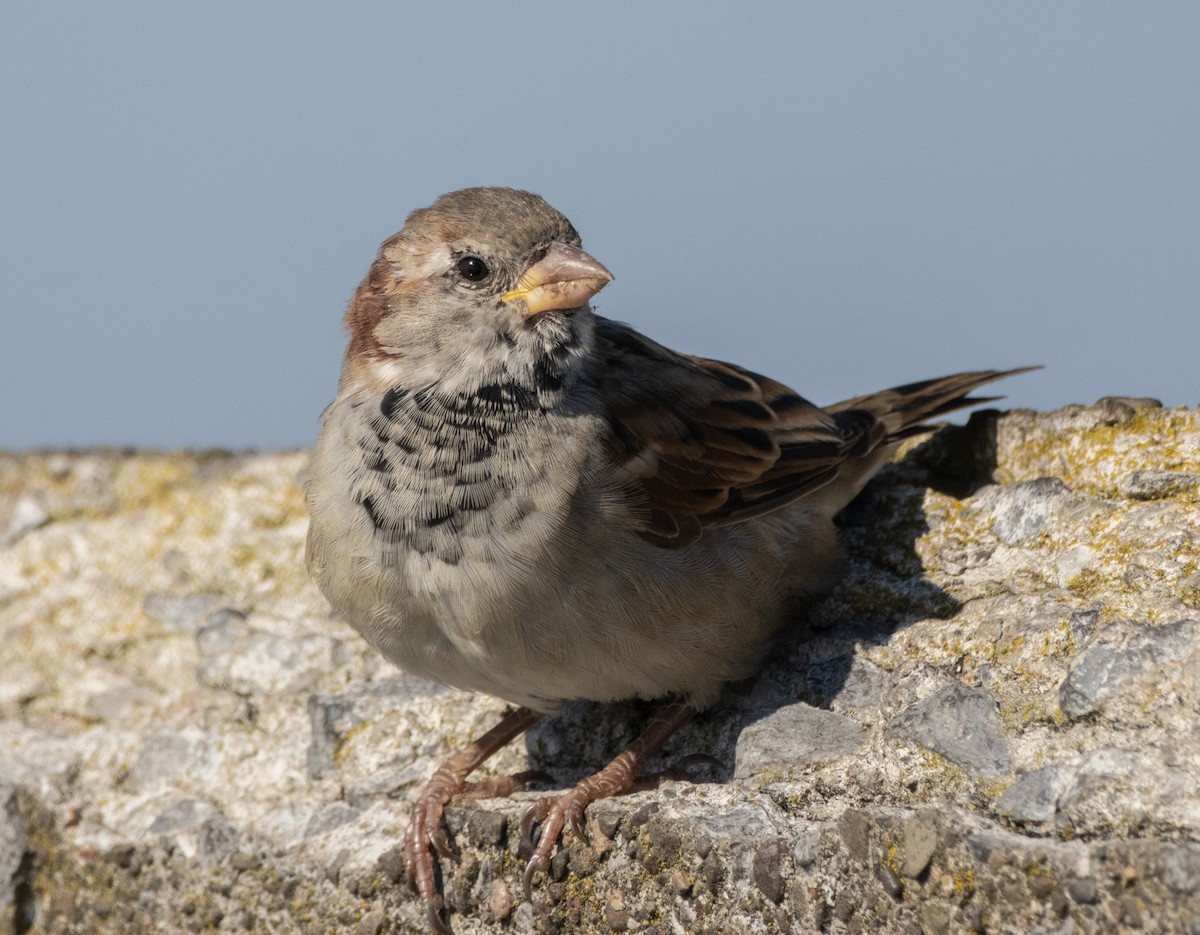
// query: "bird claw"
[[535, 866], [441, 843], [425, 831], [433, 914], [542, 826], [575, 822], [543, 822], [418, 859], [534, 816], [426, 836]]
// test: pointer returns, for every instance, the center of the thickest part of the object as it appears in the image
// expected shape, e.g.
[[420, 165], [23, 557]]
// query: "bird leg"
[[553, 812], [450, 779]]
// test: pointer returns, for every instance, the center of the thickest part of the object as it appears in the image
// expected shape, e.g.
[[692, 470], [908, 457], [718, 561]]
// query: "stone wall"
[[991, 725]]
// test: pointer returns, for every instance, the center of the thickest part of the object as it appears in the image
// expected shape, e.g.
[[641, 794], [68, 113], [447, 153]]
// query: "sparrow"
[[511, 494]]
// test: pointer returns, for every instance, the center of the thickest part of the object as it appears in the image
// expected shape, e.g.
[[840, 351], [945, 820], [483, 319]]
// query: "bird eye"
[[472, 269]]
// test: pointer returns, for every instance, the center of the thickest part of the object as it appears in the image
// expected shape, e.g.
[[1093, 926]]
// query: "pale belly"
[[546, 594]]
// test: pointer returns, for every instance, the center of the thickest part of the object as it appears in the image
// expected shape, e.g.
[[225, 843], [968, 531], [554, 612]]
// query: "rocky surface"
[[991, 725]]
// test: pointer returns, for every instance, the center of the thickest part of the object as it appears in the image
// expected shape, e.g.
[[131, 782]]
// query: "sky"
[[844, 196]]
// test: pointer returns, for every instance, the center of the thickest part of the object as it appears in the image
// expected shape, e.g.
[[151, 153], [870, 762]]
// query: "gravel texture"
[[990, 726]]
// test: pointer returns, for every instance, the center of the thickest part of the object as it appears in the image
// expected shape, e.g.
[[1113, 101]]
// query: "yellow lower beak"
[[565, 277]]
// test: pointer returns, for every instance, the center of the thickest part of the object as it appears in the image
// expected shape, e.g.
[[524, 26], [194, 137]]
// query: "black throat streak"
[[426, 454]]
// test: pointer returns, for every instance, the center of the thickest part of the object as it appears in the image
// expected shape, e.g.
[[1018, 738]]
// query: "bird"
[[511, 494]]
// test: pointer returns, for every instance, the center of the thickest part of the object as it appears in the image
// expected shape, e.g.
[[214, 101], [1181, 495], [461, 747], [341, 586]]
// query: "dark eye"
[[472, 269]]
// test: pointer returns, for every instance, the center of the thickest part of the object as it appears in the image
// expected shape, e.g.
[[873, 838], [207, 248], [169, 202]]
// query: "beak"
[[565, 277]]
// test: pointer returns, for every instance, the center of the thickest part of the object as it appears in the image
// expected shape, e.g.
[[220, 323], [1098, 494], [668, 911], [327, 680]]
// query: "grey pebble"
[[959, 723], [1031, 798], [1181, 868], [793, 737], [1159, 485], [891, 882], [326, 819], [767, 869], [179, 612], [331, 717], [371, 923], [918, 845], [1102, 669], [1021, 510]]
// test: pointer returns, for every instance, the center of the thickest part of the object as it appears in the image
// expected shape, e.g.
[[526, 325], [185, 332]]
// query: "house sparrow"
[[514, 495]]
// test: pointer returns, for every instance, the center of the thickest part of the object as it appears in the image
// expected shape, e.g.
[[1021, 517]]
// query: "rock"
[[1118, 410], [196, 830], [371, 923], [918, 846], [166, 754], [990, 724], [767, 869], [847, 682], [1033, 797], [335, 717], [790, 738], [1119, 653], [1182, 868], [13, 844], [1159, 485], [1095, 773], [179, 611], [1021, 510], [24, 514], [961, 724], [333, 815], [245, 659], [1084, 891], [1095, 676], [806, 847], [855, 828]]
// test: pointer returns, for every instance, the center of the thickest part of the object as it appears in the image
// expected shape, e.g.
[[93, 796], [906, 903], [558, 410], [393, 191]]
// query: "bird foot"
[[543, 822], [426, 834]]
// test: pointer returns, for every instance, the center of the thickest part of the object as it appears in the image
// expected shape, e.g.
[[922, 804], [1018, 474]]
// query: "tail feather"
[[904, 410]]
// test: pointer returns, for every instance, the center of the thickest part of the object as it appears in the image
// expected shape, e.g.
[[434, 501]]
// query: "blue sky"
[[843, 195]]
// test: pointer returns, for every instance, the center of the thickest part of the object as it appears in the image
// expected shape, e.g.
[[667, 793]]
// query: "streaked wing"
[[705, 442]]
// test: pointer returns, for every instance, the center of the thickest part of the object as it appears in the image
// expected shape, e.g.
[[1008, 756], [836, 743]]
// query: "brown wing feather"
[[708, 442], [704, 442]]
